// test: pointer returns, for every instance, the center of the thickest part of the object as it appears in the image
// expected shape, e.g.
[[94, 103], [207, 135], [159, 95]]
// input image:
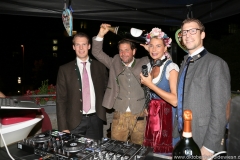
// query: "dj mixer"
[[56, 145]]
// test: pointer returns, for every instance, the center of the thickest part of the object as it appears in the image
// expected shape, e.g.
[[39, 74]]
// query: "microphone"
[[145, 70], [145, 88]]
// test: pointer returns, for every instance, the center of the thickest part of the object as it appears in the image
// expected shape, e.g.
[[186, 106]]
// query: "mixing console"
[[56, 145]]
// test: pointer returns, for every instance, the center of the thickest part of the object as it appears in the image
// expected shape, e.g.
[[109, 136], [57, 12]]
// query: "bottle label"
[[188, 152], [187, 134], [136, 32]]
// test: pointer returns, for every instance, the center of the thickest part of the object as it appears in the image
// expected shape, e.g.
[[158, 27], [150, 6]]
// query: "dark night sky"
[[37, 33]]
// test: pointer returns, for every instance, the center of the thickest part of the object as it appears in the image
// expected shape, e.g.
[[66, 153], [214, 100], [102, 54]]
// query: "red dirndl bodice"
[[158, 133]]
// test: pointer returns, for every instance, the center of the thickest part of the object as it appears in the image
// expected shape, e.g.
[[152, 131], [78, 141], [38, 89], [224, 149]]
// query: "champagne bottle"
[[131, 34], [186, 148]]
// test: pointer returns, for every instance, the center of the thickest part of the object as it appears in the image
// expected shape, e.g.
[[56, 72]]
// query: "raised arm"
[[104, 28], [98, 44]]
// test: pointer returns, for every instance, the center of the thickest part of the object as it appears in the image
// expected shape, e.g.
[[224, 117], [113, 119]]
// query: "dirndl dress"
[[158, 133], [159, 127]]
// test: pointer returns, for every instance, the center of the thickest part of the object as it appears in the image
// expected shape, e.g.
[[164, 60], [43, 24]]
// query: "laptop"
[[18, 102]]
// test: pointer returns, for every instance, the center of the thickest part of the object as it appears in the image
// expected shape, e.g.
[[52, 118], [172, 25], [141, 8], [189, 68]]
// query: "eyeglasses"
[[191, 31]]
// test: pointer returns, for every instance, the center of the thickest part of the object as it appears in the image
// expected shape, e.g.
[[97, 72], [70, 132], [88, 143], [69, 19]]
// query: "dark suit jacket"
[[69, 93]]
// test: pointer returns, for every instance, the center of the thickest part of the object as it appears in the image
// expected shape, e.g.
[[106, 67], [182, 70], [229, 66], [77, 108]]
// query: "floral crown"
[[156, 32]]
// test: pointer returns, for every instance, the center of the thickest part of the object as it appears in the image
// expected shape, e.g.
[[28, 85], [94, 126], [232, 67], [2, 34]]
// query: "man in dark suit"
[[206, 90], [72, 115]]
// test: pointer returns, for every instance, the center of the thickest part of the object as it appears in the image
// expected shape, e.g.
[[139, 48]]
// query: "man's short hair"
[[81, 34], [188, 20], [132, 45]]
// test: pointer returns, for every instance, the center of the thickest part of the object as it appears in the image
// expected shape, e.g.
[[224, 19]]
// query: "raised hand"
[[104, 28]]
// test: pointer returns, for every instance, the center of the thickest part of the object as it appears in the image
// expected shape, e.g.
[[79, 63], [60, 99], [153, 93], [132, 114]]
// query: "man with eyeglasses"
[[206, 90]]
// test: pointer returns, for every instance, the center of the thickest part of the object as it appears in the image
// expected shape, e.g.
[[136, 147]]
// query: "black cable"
[[147, 97], [144, 107], [14, 156]]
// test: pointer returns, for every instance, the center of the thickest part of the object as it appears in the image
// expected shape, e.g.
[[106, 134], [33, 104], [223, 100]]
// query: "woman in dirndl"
[[162, 83]]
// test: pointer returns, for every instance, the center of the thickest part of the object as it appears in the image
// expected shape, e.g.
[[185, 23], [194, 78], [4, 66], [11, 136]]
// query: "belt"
[[88, 115]]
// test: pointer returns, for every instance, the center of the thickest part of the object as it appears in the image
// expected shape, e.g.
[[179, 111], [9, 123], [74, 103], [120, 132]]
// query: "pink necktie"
[[85, 89]]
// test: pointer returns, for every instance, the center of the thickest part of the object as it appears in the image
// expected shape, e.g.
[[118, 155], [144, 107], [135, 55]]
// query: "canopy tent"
[[159, 12]]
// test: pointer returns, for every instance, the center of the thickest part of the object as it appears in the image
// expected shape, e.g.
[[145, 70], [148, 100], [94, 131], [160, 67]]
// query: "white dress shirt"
[[92, 91]]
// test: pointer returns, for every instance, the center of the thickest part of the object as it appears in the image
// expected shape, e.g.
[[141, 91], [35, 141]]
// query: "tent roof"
[[160, 12]]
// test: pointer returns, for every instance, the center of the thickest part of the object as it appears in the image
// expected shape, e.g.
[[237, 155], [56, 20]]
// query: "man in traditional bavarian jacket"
[[81, 84], [124, 92]]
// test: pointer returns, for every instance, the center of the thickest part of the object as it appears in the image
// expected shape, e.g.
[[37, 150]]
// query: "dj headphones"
[[158, 62]]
